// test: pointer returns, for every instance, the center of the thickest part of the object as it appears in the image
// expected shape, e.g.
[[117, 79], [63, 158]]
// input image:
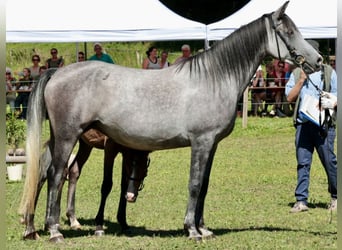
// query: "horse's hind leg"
[[75, 169], [110, 152], [30, 231], [56, 175]]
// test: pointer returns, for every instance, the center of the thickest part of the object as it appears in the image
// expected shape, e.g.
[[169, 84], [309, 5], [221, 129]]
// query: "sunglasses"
[[53, 52], [81, 57], [35, 59]]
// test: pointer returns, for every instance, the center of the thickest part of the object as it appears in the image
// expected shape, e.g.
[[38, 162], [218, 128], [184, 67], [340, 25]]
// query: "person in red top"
[[279, 80]]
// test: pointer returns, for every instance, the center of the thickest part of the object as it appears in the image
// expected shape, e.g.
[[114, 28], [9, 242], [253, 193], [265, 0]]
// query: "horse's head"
[[135, 164], [289, 44]]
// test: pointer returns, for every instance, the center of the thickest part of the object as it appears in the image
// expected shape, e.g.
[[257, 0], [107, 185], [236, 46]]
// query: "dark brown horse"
[[134, 170]]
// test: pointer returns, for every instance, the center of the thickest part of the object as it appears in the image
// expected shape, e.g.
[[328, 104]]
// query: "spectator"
[[186, 53], [279, 80], [99, 55], [163, 60], [151, 61], [35, 67], [310, 136], [42, 69], [332, 62], [10, 89], [54, 61], [288, 107], [24, 84], [258, 93], [269, 81], [81, 57]]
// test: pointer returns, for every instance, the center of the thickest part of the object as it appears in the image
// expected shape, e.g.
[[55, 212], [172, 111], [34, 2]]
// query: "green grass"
[[250, 193]]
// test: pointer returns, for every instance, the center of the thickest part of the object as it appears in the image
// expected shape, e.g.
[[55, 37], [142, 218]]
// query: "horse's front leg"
[[121, 214], [201, 162], [75, 170]]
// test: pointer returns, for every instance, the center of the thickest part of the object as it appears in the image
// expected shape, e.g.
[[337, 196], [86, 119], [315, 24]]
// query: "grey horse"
[[192, 104]]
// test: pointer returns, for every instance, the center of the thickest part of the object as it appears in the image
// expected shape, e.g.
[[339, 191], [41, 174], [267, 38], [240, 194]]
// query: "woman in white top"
[[163, 60], [151, 62]]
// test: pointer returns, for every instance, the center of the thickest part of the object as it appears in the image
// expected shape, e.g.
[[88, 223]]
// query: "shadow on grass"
[[323, 205], [114, 229]]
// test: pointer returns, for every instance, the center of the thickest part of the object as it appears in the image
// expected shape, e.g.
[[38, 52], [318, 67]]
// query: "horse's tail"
[[36, 113]]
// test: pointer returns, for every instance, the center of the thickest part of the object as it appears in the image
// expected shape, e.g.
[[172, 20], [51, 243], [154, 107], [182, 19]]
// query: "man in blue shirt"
[[99, 55], [310, 136]]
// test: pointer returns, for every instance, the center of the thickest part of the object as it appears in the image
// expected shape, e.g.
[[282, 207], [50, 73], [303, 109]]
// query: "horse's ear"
[[278, 14]]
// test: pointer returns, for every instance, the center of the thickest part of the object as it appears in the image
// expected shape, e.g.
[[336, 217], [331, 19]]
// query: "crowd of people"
[[18, 90], [268, 88]]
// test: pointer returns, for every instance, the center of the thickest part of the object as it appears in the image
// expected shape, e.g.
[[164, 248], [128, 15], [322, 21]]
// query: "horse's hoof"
[[31, 236], [57, 239], [206, 233], [99, 233], [196, 238], [75, 226]]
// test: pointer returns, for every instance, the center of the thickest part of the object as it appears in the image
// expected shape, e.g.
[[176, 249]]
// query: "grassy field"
[[247, 207]]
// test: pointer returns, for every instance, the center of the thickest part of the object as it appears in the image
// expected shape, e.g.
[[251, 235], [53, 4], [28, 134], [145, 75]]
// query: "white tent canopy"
[[148, 20], [99, 20], [314, 18]]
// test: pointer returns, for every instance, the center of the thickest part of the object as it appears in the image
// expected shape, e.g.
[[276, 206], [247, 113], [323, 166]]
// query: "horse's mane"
[[236, 53]]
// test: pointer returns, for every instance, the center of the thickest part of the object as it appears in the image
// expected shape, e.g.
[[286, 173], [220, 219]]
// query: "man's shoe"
[[299, 206], [333, 205]]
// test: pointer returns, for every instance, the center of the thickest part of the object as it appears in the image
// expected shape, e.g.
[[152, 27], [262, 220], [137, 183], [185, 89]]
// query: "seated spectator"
[[10, 89], [279, 80], [100, 55], [42, 69], [269, 81], [258, 94], [24, 84], [54, 61]]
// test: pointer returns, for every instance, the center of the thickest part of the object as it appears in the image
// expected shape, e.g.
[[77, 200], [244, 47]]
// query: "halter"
[[297, 58], [132, 178]]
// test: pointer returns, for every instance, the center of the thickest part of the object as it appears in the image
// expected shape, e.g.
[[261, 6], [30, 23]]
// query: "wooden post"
[[245, 108]]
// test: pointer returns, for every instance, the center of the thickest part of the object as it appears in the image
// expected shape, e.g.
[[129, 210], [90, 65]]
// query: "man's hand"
[[328, 101]]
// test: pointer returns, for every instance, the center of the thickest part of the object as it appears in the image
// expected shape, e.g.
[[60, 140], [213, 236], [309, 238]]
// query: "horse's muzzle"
[[131, 197]]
